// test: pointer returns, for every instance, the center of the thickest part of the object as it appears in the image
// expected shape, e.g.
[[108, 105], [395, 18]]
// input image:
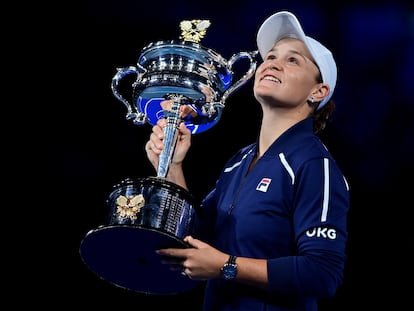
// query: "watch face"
[[229, 271]]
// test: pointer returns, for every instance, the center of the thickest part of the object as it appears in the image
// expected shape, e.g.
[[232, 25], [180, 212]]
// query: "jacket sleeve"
[[320, 207]]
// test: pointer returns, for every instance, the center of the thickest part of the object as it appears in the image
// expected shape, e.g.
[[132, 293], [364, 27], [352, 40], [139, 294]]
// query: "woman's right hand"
[[155, 144]]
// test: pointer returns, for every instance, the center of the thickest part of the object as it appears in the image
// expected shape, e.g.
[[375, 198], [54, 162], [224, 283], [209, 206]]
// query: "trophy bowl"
[[201, 77]]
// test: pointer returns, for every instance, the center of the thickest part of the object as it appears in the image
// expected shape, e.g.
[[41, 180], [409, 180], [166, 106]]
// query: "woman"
[[273, 232]]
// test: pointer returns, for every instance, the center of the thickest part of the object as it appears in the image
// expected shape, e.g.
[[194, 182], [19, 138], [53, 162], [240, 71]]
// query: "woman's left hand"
[[199, 262]]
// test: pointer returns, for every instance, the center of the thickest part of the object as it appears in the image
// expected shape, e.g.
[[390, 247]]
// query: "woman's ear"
[[321, 92]]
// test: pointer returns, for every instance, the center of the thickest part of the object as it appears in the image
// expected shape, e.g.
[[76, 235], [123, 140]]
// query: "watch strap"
[[232, 260]]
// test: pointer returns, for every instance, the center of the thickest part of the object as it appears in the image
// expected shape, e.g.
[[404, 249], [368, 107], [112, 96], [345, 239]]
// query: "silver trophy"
[[181, 81]]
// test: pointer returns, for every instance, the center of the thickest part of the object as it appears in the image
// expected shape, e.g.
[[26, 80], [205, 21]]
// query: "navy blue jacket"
[[290, 209]]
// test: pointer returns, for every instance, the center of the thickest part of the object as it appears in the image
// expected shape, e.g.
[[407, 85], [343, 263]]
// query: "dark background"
[[86, 146]]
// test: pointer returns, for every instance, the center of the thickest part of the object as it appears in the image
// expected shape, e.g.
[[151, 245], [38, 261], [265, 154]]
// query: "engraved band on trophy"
[[181, 81]]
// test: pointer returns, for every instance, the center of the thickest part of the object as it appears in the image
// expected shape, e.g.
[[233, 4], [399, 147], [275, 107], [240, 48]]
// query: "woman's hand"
[[155, 144], [199, 262]]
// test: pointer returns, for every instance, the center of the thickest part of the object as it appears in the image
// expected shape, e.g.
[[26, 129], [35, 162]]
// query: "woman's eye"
[[271, 57], [293, 60]]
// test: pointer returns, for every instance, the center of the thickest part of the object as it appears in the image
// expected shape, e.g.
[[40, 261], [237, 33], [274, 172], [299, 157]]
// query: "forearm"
[[176, 175], [252, 271]]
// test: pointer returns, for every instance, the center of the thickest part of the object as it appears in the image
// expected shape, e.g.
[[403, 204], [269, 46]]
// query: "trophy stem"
[[170, 137]]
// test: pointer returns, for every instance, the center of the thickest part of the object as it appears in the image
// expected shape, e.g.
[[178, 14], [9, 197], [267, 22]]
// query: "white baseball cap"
[[285, 24]]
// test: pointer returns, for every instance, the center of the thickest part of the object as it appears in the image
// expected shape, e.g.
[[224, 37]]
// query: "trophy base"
[[125, 256]]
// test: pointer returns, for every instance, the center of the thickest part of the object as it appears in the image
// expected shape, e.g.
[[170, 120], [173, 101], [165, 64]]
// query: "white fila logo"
[[264, 184]]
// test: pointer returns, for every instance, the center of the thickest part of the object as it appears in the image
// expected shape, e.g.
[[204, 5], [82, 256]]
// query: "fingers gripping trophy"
[[182, 81]]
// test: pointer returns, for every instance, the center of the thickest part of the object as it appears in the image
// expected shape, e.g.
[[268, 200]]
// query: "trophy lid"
[[192, 31]]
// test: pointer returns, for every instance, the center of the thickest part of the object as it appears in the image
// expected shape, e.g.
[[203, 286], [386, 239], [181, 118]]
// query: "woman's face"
[[287, 76]]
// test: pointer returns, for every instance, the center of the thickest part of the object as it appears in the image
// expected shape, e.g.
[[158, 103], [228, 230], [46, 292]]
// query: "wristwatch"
[[229, 270]]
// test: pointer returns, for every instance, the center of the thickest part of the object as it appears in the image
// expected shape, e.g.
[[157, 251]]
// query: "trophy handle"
[[252, 67], [132, 113]]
